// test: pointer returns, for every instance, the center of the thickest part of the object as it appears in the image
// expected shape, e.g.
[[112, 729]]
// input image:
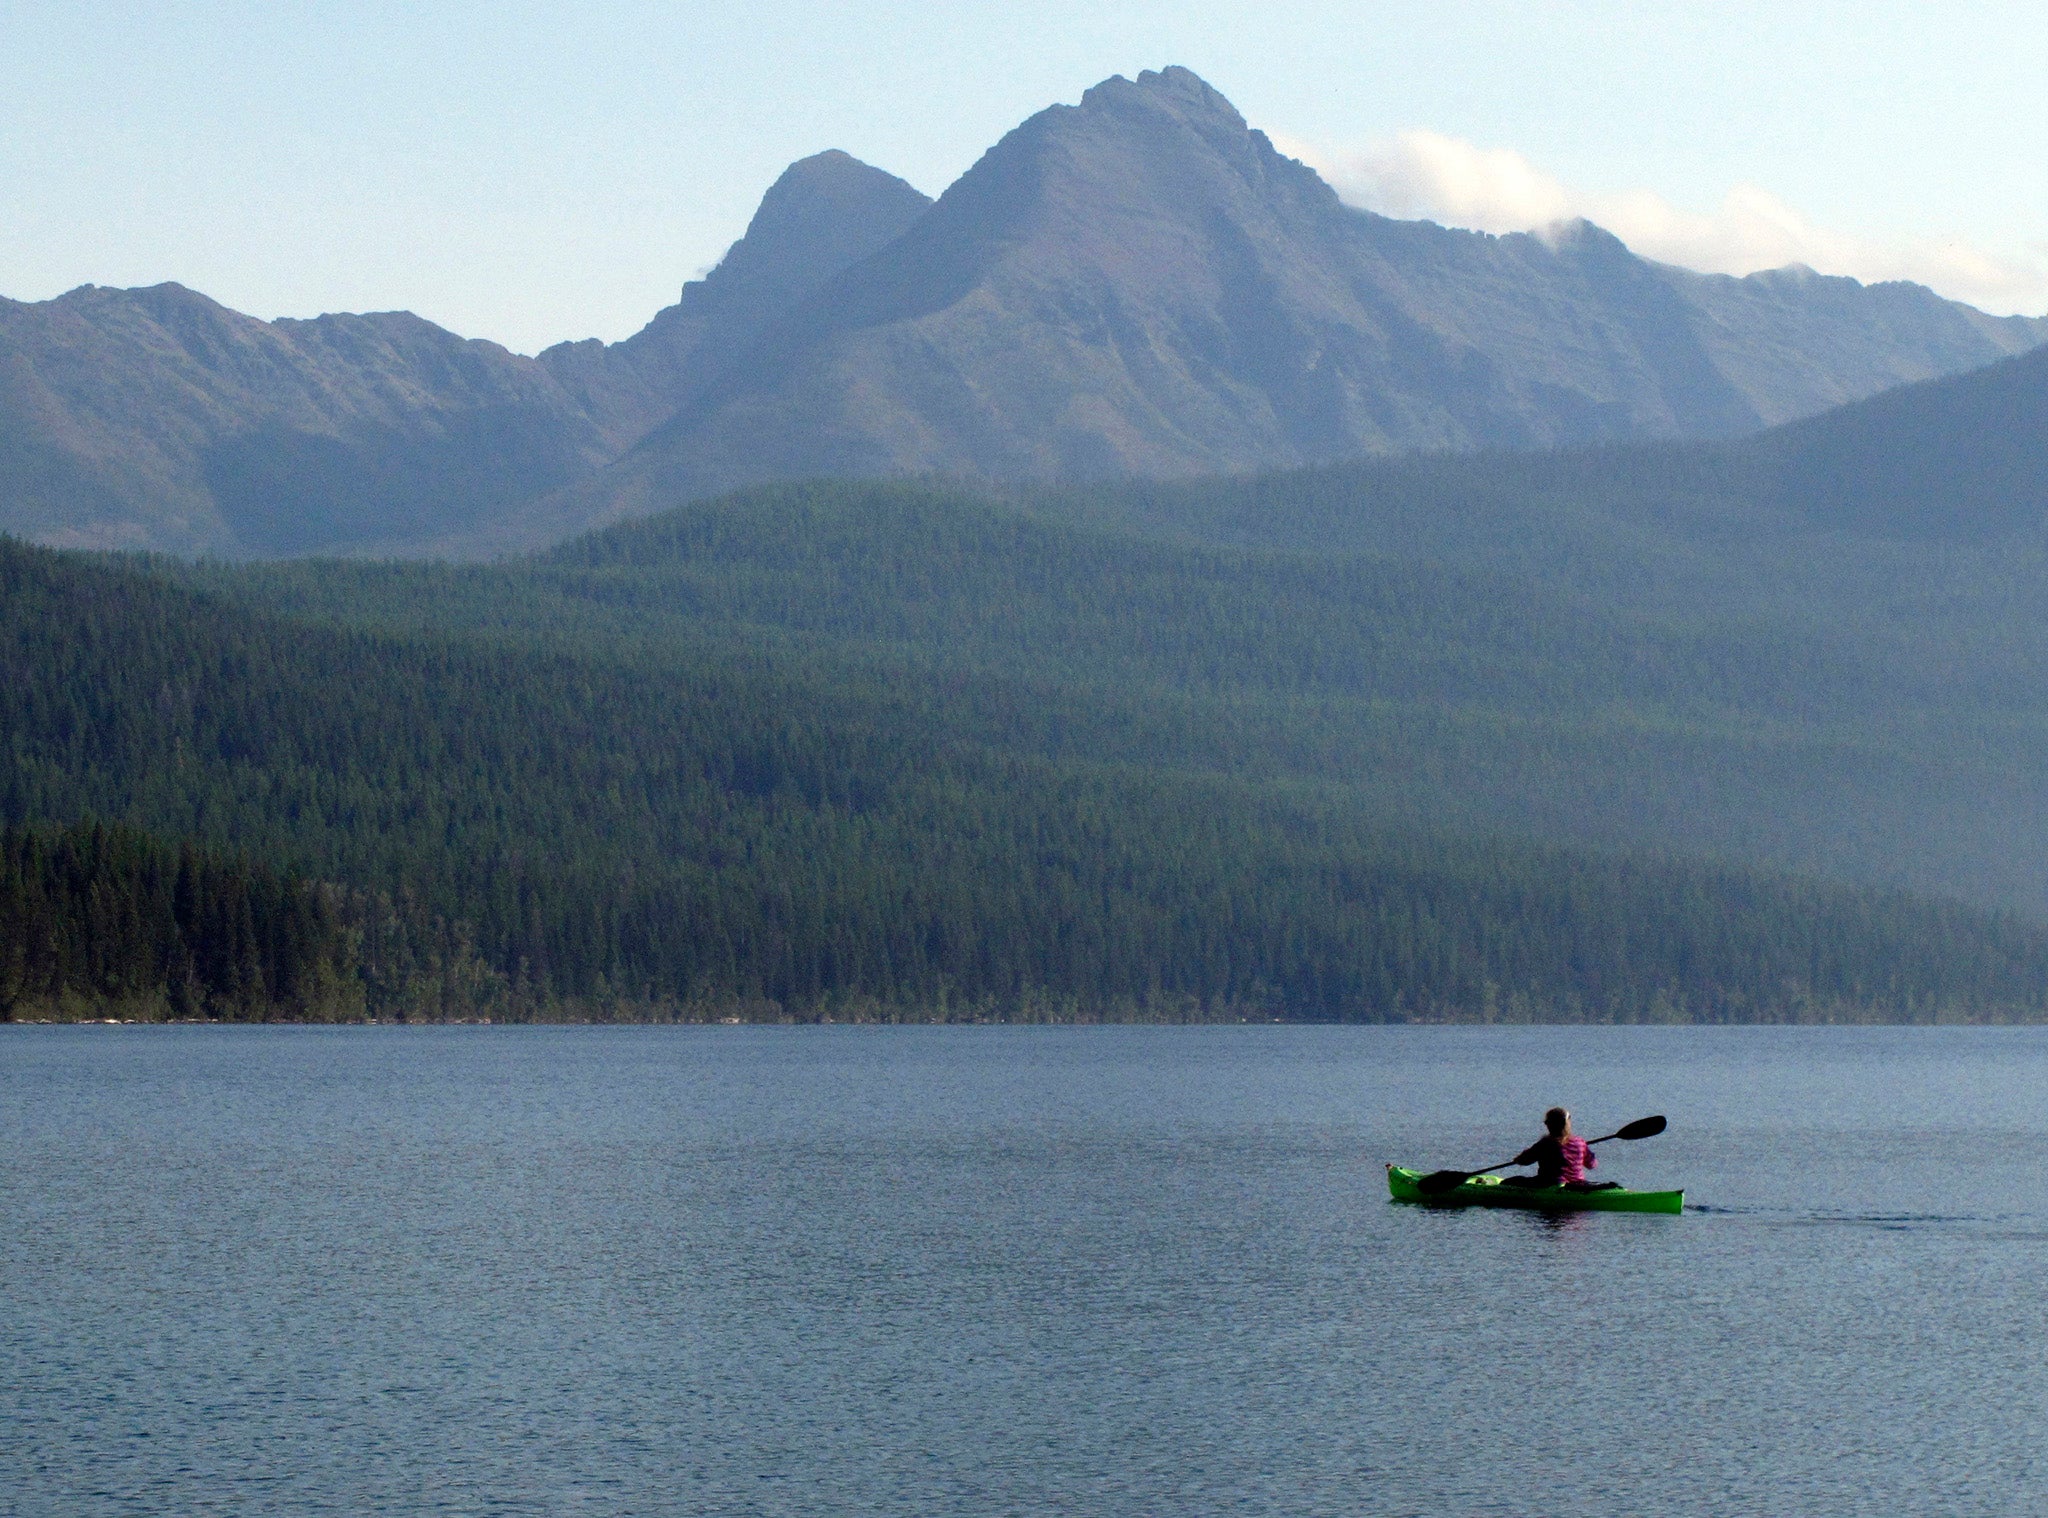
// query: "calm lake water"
[[990, 1271]]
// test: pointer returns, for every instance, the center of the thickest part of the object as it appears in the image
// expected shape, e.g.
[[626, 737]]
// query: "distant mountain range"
[[1139, 285]]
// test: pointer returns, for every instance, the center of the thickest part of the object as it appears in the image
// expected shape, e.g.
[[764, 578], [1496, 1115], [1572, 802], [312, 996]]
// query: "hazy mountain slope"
[[1934, 494], [1796, 342], [159, 418], [1957, 459], [1141, 285]]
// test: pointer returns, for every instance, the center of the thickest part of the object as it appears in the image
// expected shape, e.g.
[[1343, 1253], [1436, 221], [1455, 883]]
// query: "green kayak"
[[1487, 1191]]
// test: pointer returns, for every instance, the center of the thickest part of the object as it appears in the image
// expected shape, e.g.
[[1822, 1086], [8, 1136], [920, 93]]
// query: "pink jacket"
[[1578, 1158], [1559, 1162]]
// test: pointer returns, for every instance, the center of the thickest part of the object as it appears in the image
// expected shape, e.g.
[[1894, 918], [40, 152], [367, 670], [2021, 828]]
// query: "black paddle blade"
[[1437, 1182], [1642, 1128]]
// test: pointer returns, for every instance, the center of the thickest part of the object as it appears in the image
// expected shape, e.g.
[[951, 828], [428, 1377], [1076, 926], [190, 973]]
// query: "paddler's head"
[[1558, 1121]]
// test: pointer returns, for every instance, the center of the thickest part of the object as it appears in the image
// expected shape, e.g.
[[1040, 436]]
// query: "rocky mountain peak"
[[1137, 161], [1171, 122], [823, 214], [1172, 90]]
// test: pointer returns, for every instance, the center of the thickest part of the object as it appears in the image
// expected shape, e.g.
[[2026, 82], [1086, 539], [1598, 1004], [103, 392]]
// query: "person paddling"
[[1561, 1157], [1548, 1152]]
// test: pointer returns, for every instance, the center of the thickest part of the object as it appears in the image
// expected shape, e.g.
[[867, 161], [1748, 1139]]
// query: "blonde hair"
[[1558, 1121]]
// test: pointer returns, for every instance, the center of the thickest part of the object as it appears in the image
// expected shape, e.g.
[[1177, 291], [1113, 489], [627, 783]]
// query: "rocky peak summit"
[[824, 214]]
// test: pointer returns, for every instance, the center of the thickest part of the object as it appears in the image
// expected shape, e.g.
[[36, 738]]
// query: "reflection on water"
[[1558, 1222], [972, 1271]]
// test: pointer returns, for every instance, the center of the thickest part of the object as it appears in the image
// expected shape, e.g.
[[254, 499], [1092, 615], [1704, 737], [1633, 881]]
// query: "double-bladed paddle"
[[1437, 1182]]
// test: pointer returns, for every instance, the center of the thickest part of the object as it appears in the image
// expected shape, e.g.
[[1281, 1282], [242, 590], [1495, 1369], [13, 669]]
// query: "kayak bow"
[[1488, 1191]]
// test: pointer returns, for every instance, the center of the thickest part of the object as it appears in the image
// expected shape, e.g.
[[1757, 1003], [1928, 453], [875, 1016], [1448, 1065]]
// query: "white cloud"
[[1429, 175]]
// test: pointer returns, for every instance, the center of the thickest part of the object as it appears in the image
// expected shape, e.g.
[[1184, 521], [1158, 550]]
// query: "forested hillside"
[[762, 821], [1525, 661], [1226, 747]]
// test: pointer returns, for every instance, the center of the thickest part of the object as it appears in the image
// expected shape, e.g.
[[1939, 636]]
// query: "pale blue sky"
[[537, 172]]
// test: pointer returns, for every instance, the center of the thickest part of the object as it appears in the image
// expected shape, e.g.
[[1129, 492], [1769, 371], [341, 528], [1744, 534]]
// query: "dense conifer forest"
[[103, 922], [1544, 646], [881, 752], [100, 920]]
